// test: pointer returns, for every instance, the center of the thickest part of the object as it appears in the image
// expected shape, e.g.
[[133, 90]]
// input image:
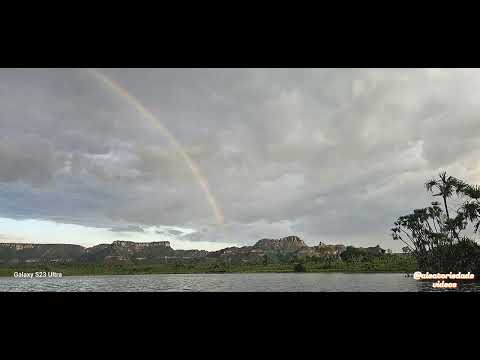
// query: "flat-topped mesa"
[[140, 245], [286, 243]]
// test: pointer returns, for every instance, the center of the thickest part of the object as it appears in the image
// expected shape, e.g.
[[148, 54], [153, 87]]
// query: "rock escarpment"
[[287, 249], [289, 243], [128, 251], [275, 251]]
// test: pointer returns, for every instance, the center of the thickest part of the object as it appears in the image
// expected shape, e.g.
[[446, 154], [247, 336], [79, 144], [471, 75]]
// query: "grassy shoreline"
[[11, 274], [102, 269]]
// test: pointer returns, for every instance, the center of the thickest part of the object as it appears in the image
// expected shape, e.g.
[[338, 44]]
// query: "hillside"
[[11, 253], [264, 251]]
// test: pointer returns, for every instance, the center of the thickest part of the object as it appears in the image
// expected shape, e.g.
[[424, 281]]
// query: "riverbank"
[[407, 266]]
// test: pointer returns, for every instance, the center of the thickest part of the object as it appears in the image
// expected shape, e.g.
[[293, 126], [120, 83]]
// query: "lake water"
[[311, 282]]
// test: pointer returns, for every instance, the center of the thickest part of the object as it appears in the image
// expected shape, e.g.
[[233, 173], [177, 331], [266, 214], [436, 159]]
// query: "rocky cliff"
[[263, 251], [128, 251], [322, 250], [276, 250], [289, 243]]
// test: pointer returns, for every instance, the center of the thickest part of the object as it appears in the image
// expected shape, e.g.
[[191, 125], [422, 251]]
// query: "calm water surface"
[[227, 282]]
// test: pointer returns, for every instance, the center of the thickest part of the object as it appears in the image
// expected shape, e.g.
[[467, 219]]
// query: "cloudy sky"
[[331, 155]]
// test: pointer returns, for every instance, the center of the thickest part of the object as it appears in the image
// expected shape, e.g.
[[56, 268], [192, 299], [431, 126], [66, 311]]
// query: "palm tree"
[[471, 208], [472, 191], [445, 186], [471, 211]]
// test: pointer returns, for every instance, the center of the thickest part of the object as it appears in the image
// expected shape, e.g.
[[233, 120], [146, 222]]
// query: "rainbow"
[[135, 103]]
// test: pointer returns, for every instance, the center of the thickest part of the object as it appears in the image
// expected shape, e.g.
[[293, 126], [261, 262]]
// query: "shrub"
[[299, 268]]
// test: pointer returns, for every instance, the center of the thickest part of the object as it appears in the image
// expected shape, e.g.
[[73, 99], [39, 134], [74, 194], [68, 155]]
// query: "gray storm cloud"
[[129, 228], [328, 154]]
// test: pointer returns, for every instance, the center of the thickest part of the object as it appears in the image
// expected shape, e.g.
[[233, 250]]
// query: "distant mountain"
[[264, 250], [12, 253], [277, 250]]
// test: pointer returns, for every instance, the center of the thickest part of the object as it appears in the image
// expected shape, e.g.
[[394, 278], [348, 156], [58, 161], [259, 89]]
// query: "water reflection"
[[231, 282]]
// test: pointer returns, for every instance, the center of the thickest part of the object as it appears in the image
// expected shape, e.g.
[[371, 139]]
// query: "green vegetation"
[[300, 268], [351, 261], [382, 263], [439, 237]]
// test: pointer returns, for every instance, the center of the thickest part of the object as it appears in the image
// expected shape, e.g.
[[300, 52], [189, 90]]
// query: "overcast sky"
[[331, 155]]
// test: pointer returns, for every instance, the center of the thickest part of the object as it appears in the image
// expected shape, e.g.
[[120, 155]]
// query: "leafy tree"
[[265, 259], [299, 268], [435, 235]]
